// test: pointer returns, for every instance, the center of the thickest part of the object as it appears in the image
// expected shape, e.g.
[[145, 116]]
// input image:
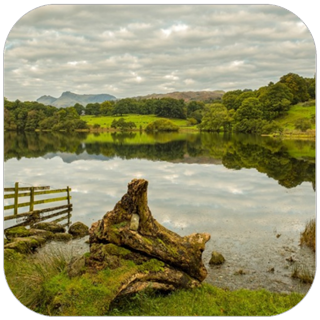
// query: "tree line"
[[29, 116], [250, 111], [254, 111]]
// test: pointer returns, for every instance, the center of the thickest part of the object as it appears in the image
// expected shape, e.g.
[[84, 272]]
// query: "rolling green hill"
[[296, 112]]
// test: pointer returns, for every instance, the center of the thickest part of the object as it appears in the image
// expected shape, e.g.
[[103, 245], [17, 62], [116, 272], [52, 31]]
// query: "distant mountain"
[[47, 100], [69, 99], [187, 95]]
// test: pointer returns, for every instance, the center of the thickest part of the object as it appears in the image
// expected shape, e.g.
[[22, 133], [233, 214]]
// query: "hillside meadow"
[[139, 119], [286, 122]]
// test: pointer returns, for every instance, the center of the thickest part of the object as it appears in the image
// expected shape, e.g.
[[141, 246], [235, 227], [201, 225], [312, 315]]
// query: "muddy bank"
[[267, 262], [255, 261]]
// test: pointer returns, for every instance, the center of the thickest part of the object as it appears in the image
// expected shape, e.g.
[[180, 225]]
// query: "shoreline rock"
[[78, 230], [216, 258], [25, 241]]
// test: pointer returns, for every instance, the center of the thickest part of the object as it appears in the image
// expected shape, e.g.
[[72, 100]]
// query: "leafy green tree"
[[229, 99], [250, 126], [194, 106], [198, 115], [311, 87], [244, 95], [122, 124], [33, 119], [171, 108], [106, 108], [147, 106], [131, 125], [80, 124], [79, 108], [62, 115], [248, 118], [9, 120], [251, 108], [121, 107], [230, 120], [114, 124], [49, 123], [271, 127], [215, 116], [21, 118], [71, 113], [93, 109], [297, 85], [275, 99]]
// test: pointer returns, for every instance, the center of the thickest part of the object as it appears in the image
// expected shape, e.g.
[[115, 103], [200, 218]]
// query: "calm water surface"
[[252, 194]]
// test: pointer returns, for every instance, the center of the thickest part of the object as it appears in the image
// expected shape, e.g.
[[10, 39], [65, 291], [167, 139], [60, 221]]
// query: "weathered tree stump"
[[164, 259]]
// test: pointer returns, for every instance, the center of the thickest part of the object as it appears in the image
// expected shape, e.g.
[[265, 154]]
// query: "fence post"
[[16, 190], [68, 194], [31, 198]]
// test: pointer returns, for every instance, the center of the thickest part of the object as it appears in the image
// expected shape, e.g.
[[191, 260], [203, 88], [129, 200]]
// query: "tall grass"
[[27, 276], [308, 236], [302, 273], [205, 301]]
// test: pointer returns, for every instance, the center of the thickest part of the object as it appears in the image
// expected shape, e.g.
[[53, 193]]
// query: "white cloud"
[[171, 76], [188, 81], [75, 63], [96, 47], [174, 29]]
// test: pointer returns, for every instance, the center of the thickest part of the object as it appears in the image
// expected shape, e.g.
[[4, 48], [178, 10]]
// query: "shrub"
[[192, 121], [271, 127], [308, 103], [96, 126], [80, 124], [302, 273], [308, 236], [122, 124], [303, 124], [161, 125]]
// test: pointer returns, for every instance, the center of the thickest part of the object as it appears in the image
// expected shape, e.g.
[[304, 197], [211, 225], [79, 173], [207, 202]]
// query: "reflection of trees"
[[121, 138], [158, 151], [272, 159], [267, 155], [35, 144]]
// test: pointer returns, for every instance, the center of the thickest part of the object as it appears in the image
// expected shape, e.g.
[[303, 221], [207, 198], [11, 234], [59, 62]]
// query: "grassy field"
[[138, 119], [296, 112], [287, 122]]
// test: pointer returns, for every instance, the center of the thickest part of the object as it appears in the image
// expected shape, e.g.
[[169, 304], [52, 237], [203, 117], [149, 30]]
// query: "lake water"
[[254, 195]]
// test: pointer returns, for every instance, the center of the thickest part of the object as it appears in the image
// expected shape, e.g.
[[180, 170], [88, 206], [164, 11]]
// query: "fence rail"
[[15, 194]]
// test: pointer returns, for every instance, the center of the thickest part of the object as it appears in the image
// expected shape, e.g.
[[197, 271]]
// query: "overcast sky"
[[139, 49]]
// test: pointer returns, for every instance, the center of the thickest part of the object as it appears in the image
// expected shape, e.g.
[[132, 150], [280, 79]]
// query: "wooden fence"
[[32, 192]]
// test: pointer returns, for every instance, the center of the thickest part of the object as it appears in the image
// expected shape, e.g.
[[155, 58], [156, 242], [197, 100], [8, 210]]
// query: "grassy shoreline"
[[40, 283], [294, 135], [287, 122]]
